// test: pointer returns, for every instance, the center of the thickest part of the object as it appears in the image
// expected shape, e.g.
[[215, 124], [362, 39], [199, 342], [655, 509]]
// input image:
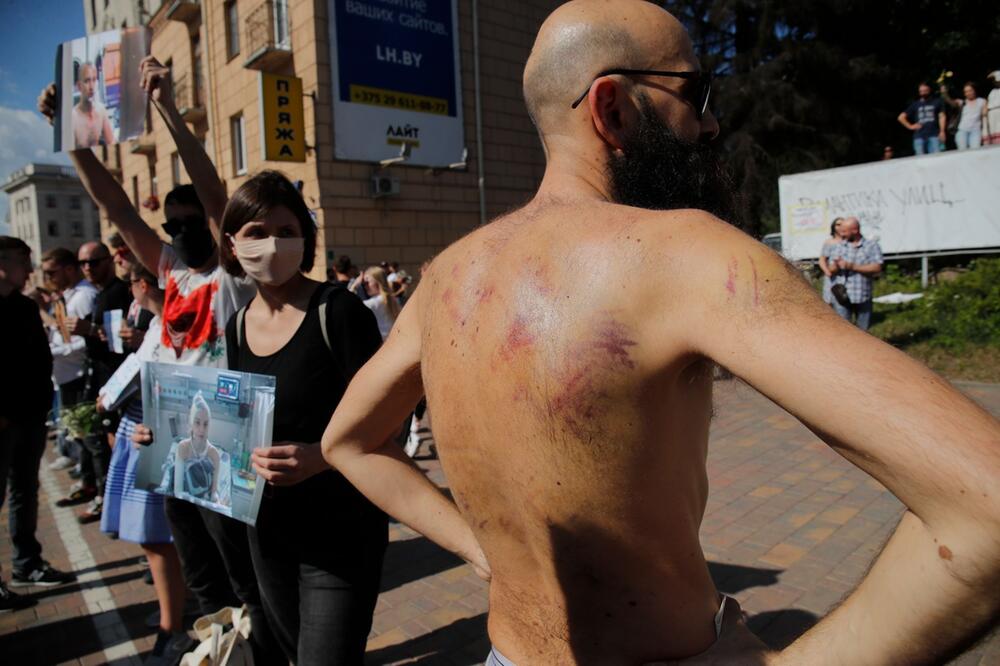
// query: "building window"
[[53, 228], [135, 190], [74, 203], [50, 201], [232, 30], [239, 145], [152, 178], [198, 99], [281, 23], [77, 227], [93, 13], [175, 170]]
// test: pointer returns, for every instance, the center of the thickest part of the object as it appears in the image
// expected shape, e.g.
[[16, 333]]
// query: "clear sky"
[[30, 31]]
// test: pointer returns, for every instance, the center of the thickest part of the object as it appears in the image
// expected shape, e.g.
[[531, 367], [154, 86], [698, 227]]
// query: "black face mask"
[[193, 243], [659, 171]]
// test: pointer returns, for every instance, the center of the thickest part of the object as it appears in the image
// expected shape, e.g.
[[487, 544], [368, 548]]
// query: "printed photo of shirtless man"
[[91, 126]]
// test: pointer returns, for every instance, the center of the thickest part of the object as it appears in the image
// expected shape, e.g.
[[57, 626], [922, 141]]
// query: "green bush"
[[951, 315]]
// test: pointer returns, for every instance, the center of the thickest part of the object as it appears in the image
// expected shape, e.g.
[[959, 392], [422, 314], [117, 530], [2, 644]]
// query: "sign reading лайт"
[[396, 82], [282, 118]]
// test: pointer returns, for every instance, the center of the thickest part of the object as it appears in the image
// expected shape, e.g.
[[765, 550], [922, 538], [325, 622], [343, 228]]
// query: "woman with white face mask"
[[318, 544]]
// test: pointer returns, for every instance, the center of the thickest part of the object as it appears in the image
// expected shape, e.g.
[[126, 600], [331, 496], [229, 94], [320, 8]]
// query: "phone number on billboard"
[[398, 100]]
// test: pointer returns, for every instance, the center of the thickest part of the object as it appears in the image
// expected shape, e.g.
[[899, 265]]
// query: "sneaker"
[[43, 575], [11, 601], [92, 513], [61, 463], [412, 444], [78, 494], [169, 648]]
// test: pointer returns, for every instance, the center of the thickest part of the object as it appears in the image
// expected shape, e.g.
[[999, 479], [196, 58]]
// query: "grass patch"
[[954, 328]]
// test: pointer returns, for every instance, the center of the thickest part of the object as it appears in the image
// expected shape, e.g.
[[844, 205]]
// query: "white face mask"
[[270, 260]]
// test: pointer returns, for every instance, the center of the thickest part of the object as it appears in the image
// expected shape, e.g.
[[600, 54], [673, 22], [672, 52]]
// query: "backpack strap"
[[323, 300], [239, 325]]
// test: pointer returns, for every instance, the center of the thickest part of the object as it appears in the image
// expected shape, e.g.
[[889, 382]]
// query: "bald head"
[[95, 260], [584, 37]]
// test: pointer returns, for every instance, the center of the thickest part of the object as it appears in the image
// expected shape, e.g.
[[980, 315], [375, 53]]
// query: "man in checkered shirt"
[[856, 261]]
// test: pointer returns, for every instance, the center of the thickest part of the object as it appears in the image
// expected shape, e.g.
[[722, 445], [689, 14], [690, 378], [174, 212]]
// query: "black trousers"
[[21, 448], [318, 584], [215, 560]]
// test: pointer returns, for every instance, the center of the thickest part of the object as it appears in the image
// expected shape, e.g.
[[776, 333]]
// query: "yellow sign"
[[282, 118]]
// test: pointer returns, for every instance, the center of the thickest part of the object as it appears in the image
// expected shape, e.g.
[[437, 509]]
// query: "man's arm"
[[109, 196], [934, 583], [211, 191], [358, 442], [905, 122], [106, 131], [871, 270]]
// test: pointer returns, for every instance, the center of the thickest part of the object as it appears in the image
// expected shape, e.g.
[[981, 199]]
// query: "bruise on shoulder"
[[517, 337], [581, 396], [759, 282]]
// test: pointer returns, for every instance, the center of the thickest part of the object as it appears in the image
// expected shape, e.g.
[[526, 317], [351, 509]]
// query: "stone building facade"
[[49, 208], [215, 50]]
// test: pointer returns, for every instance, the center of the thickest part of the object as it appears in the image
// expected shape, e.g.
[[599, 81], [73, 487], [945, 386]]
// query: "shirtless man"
[[573, 422], [91, 126]]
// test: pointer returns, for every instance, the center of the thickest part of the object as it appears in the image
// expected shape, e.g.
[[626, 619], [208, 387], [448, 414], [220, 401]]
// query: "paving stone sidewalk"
[[790, 529]]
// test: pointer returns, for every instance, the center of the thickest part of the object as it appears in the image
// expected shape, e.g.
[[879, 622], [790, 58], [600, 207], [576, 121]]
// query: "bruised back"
[[556, 427]]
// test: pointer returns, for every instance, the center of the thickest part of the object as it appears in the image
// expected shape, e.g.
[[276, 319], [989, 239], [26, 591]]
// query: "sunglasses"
[[176, 225], [92, 262], [696, 95]]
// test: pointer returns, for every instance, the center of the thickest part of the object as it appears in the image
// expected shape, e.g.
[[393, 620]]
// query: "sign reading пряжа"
[[396, 80], [282, 119]]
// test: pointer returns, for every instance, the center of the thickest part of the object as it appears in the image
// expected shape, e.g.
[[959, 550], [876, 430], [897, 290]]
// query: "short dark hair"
[[61, 256], [140, 272], [343, 264], [254, 200], [12, 244], [116, 241], [184, 195]]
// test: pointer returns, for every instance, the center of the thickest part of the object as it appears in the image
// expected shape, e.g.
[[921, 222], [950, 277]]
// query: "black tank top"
[[310, 381]]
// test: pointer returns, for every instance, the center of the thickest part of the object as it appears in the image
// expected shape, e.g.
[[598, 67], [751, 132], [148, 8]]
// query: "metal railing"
[[267, 28], [186, 94]]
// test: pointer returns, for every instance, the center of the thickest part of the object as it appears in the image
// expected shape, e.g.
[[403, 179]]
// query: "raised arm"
[[935, 582], [211, 192], [109, 196], [359, 442]]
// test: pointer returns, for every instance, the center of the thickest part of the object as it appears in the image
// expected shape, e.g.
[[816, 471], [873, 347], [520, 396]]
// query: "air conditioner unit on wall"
[[384, 186]]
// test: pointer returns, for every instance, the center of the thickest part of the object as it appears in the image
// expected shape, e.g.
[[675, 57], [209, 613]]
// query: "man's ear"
[[612, 111]]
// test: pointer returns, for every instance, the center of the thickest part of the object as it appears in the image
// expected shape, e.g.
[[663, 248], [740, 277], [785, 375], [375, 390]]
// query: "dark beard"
[[659, 171]]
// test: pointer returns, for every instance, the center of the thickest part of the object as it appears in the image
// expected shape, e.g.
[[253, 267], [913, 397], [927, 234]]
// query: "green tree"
[[813, 84]]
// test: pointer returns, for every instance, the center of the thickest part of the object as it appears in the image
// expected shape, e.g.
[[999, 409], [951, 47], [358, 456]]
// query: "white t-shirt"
[[994, 111], [378, 305], [972, 114], [69, 358], [196, 307]]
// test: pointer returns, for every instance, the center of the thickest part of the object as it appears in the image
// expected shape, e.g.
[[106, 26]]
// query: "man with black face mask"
[[572, 405]]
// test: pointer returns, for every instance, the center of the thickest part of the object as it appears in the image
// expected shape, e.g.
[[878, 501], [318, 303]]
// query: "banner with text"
[[946, 201], [396, 80]]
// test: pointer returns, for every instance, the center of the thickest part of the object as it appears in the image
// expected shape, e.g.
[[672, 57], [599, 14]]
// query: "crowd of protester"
[[229, 290], [969, 120]]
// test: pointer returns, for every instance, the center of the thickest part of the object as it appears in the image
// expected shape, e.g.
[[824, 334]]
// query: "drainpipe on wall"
[[479, 113]]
